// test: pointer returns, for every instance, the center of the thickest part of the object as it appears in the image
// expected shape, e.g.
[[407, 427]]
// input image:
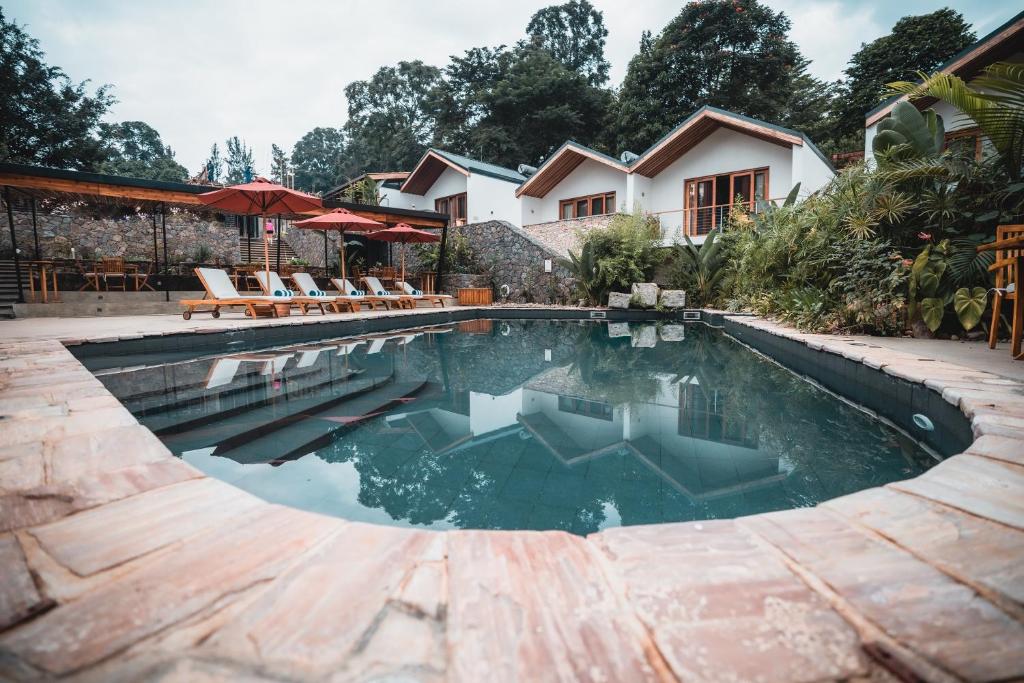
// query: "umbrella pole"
[[266, 250], [403, 266], [341, 235]]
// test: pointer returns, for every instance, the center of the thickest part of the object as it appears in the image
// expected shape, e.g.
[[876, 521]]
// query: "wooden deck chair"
[[277, 285], [375, 288], [307, 286], [1007, 284], [434, 299], [346, 288], [220, 293], [113, 269]]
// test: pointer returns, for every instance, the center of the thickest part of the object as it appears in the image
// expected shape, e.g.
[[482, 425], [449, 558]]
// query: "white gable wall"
[[491, 199], [590, 177], [809, 169], [724, 151]]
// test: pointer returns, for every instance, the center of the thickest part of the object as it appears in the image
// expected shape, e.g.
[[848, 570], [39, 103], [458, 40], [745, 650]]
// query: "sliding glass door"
[[707, 201]]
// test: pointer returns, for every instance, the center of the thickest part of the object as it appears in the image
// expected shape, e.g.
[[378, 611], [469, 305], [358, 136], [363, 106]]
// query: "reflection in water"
[[519, 424]]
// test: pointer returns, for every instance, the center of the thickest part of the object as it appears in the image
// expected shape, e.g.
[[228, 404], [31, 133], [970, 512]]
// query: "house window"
[[591, 205], [965, 142], [453, 205], [579, 406], [708, 201]]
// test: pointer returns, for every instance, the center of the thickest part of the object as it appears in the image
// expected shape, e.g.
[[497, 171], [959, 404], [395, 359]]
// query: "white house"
[[690, 178], [468, 190], [1005, 44]]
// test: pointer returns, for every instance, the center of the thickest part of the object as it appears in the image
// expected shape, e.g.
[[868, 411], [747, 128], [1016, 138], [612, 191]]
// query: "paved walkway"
[[121, 562]]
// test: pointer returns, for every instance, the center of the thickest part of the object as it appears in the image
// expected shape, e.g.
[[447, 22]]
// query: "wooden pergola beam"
[[78, 187]]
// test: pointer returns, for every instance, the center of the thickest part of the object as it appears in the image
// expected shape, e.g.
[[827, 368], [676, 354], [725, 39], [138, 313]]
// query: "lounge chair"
[[220, 293], [374, 286], [307, 357], [277, 285], [346, 289], [434, 299], [306, 285]]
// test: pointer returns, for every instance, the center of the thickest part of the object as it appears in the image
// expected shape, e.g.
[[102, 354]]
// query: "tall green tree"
[[732, 54], [389, 118], [574, 33], [459, 102], [240, 168], [279, 165], [534, 108], [134, 149], [45, 118], [214, 164], [317, 159], [916, 43]]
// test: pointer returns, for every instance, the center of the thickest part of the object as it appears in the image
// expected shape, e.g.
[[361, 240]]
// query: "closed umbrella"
[[259, 198], [343, 221], [403, 233]]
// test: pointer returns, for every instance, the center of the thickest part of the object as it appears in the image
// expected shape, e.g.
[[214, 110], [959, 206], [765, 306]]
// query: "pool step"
[[290, 438], [221, 430]]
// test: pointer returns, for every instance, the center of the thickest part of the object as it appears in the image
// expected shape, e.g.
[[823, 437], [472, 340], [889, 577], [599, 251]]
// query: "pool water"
[[516, 425]]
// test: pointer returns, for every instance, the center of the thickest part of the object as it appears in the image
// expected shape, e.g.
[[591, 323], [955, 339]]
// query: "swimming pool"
[[514, 424]]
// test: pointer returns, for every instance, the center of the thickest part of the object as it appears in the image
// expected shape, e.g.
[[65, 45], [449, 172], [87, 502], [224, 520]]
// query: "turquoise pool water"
[[516, 425]]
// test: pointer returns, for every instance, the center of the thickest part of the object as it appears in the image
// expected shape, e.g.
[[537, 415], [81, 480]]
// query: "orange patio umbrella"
[[259, 198], [403, 233], [341, 220]]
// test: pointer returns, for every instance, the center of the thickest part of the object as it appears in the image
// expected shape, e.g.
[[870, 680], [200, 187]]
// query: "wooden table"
[[47, 272], [1017, 330]]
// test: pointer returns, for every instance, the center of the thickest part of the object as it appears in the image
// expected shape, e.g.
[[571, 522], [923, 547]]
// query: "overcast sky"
[[270, 71]]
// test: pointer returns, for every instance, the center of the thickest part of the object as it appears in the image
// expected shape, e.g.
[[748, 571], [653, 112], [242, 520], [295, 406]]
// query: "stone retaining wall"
[[96, 230], [309, 245]]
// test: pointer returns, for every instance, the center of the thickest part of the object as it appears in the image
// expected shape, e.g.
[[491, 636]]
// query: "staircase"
[[9, 287], [252, 252]]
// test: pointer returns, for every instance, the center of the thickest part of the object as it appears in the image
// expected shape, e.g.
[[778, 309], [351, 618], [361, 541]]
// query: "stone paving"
[[121, 562]]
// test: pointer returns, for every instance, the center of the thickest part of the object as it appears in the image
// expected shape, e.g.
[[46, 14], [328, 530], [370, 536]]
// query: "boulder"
[[618, 300], [645, 294], [644, 336], [673, 333], [673, 298]]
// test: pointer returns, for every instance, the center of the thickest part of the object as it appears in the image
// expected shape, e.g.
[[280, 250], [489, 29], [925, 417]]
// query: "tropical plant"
[[932, 290], [202, 254], [909, 133], [699, 269], [994, 102], [586, 271]]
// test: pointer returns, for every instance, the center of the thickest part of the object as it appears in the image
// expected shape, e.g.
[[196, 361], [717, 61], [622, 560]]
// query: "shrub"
[[615, 257]]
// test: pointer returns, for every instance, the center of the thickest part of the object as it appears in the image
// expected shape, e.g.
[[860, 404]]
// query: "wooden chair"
[[91, 272], [1007, 284], [113, 269], [221, 293], [141, 277]]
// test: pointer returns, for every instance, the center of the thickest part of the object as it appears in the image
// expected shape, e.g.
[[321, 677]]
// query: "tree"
[[134, 149], [317, 159], [732, 54], [279, 166], [574, 34], [214, 164], [534, 108], [46, 119], [239, 162], [916, 43], [458, 103], [389, 122]]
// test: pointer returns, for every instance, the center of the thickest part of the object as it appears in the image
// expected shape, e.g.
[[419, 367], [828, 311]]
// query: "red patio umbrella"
[[259, 198], [341, 220], [403, 233]]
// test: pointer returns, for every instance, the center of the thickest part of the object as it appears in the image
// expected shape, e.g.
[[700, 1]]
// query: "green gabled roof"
[[946, 64], [481, 167]]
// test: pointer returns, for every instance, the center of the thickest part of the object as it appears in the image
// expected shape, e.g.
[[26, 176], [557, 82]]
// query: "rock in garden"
[[645, 294], [673, 333], [618, 300], [673, 298]]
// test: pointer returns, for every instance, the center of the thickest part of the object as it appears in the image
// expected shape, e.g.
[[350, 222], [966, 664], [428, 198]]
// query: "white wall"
[[590, 177], [810, 170], [724, 151], [491, 199]]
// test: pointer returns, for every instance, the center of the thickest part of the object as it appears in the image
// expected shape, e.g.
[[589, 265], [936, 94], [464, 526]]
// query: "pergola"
[[155, 196]]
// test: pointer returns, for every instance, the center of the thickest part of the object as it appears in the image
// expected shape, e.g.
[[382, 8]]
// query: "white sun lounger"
[[277, 285], [376, 288], [307, 285], [220, 293], [434, 299], [346, 288]]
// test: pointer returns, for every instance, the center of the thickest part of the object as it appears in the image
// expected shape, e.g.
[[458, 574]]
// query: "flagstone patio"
[[121, 562]]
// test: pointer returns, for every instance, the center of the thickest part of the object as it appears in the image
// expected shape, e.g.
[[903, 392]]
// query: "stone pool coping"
[[123, 562]]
